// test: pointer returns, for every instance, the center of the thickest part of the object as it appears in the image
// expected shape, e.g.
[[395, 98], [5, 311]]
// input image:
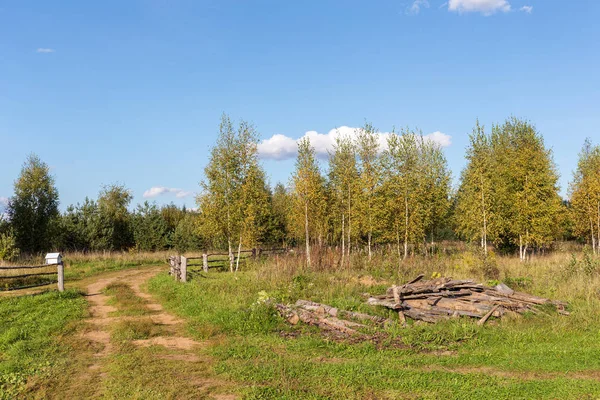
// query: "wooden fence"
[[24, 277], [182, 266]]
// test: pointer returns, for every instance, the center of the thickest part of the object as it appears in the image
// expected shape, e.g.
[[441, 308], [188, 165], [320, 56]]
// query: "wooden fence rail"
[[179, 265], [59, 272]]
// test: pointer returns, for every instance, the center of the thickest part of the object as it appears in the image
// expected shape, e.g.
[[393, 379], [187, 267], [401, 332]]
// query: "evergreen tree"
[[186, 236], [113, 227], [150, 230], [281, 208]]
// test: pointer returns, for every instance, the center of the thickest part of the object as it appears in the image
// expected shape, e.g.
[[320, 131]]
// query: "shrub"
[[8, 247]]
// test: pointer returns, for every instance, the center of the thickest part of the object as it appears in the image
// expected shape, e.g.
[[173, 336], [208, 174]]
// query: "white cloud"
[[281, 147], [44, 50], [486, 7], [527, 9], [416, 6], [278, 147], [160, 190]]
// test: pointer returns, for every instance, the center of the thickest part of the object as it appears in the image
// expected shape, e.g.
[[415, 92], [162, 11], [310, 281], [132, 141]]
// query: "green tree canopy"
[[33, 210]]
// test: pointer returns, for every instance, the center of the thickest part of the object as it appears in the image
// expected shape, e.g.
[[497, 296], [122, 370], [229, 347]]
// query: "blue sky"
[[132, 91]]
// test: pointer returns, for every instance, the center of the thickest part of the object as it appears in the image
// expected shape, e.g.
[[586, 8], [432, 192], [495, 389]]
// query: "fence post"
[[205, 262], [254, 253], [183, 269], [61, 277]]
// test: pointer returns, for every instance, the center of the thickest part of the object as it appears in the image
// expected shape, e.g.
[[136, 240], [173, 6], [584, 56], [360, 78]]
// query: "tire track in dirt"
[[101, 320]]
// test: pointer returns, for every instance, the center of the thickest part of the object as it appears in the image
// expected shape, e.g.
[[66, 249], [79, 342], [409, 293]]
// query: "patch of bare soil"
[[165, 319], [180, 357], [96, 335], [522, 375], [170, 342]]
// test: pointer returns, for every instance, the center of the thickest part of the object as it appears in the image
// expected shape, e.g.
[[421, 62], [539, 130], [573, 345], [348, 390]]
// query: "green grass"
[[31, 329], [83, 267], [134, 330], [545, 356], [125, 299]]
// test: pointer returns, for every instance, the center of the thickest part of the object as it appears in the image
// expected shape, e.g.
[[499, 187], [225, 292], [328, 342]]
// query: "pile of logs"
[[421, 300], [444, 298], [328, 318]]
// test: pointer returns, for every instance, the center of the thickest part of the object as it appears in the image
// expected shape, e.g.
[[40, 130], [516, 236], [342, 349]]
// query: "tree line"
[[399, 195], [33, 223]]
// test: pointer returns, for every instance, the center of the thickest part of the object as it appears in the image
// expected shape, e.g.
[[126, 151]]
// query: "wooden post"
[[177, 267], [205, 262], [183, 269], [254, 253], [61, 277]]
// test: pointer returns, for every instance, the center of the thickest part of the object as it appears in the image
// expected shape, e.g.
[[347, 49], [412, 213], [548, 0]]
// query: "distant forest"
[[401, 197]]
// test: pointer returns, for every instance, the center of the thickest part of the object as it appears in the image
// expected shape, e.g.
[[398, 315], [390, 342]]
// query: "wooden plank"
[[27, 275], [28, 266], [487, 316]]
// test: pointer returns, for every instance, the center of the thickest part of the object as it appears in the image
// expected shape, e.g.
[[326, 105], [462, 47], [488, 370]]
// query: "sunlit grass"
[[543, 356]]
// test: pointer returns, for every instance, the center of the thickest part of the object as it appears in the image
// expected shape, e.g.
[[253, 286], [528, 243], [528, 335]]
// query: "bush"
[[8, 247]]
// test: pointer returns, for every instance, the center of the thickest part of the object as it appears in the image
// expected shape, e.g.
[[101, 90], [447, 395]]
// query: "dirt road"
[[164, 363]]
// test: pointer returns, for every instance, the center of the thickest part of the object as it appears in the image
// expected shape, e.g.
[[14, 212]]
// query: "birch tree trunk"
[[369, 234], [306, 234], [230, 253], [237, 262], [398, 245], [343, 240], [349, 225], [484, 236], [593, 237], [405, 227]]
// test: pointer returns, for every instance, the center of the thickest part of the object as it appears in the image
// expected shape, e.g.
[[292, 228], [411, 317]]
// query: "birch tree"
[[33, 209], [221, 188], [474, 198], [308, 193], [343, 176], [401, 162], [584, 192], [434, 187], [367, 147], [532, 181]]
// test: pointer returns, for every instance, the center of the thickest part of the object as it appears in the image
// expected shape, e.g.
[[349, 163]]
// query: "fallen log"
[[323, 321]]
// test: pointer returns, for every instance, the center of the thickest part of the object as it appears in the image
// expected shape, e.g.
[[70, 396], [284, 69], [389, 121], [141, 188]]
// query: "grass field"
[[34, 336], [259, 356], [546, 356]]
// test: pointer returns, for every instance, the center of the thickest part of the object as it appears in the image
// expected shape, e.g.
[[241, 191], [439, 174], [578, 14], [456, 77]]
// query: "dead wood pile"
[[328, 318], [444, 298], [421, 300]]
